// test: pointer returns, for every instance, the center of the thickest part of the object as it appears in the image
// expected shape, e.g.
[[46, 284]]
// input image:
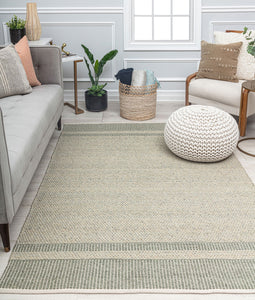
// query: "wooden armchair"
[[229, 96]]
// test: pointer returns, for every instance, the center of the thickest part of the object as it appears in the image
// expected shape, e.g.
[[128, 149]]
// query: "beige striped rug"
[[117, 211]]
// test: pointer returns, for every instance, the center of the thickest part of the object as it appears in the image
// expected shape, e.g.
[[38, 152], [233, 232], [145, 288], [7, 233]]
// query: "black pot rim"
[[87, 91], [12, 29]]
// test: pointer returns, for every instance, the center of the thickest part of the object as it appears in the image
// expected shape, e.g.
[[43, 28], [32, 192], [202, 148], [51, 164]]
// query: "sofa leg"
[[4, 231], [59, 124]]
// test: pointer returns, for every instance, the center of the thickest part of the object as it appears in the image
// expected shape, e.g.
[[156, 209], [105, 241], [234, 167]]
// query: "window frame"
[[195, 31]]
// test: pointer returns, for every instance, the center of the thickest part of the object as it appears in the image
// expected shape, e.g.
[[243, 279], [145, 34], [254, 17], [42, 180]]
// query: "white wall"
[[99, 25]]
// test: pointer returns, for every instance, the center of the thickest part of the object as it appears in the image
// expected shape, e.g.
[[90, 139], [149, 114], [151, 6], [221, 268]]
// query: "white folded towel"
[[138, 78]]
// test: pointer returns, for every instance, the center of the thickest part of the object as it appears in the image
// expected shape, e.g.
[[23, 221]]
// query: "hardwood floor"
[[111, 115]]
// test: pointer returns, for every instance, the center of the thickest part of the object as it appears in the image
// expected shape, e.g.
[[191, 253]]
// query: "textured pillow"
[[219, 61], [23, 50], [13, 78], [246, 62]]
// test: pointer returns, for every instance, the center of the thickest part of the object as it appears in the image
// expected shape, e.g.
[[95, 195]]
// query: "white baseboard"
[[113, 95]]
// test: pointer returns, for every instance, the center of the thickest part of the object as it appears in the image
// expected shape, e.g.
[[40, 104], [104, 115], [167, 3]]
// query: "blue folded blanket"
[[150, 78]]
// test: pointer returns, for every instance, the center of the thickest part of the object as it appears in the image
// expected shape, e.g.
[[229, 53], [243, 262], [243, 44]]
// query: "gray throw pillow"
[[13, 78]]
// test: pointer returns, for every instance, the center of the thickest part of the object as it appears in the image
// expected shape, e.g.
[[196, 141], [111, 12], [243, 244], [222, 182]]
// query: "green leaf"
[[109, 56], [89, 54], [96, 67], [97, 90], [245, 30], [251, 50], [90, 75]]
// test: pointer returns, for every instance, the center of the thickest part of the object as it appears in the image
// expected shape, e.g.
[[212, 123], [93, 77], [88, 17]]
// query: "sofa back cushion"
[[23, 50], [219, 61], [13, 78]]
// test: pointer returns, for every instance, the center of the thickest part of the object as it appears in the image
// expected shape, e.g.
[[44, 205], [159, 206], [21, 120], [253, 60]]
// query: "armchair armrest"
[[188, 80], [6, 202], [47, 62]]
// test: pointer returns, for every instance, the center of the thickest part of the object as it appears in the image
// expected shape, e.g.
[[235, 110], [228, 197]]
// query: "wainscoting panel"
[[63, 31]]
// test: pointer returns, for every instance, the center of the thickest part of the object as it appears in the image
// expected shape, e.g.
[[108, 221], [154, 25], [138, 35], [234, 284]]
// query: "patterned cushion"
[[13, 78], [23, 50], [246, 62], [219, 61]]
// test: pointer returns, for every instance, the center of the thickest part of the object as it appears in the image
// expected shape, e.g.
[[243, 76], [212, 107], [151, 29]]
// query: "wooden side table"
[[247, 86], [75, 59]]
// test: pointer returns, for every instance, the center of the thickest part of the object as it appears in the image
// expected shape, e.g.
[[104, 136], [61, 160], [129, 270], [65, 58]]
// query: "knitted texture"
[[201, 133]]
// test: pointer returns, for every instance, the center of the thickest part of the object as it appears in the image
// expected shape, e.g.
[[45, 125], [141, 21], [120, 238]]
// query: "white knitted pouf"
[[201, 133]]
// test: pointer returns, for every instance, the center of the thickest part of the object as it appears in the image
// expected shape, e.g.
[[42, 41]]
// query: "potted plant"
[[96, 96], [17, 29]]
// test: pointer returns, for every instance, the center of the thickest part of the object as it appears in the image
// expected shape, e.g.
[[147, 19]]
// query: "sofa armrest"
[[6, 201], [47, 62]]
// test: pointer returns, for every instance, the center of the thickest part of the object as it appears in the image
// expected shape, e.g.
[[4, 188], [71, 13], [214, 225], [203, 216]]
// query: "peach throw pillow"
[[23, 50]]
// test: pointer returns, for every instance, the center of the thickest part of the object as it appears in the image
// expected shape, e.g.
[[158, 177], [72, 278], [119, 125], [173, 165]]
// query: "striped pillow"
[[13, 78]]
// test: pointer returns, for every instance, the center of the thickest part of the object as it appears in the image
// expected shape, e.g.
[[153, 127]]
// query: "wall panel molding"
[[163, 60], [65, 10], [228, 9], [112, 25], [113, 95], [228, 25]]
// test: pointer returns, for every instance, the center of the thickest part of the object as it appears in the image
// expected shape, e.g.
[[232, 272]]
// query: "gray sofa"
[[26, 125]]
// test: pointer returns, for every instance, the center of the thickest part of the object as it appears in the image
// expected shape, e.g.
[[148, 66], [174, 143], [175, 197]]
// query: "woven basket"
[[138, 103]]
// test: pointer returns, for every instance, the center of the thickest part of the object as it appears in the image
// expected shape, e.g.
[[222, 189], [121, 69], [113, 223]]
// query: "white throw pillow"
[[246, 62]]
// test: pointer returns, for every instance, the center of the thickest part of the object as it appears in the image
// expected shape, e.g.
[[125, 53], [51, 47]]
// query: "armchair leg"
[[243, 112], [188, 80], [4, 232], [59, 124], [187, 93]]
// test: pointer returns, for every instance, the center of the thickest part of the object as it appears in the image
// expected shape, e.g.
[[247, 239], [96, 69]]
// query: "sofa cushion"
[[23, 50], [225, 92], [13, 78], [26, 119], [219, 61]]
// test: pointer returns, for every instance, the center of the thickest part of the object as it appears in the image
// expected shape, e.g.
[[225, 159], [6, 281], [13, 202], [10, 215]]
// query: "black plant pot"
[[96, 103], [17, 34]]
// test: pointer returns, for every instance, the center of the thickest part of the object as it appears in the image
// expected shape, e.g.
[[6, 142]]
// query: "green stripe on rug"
[[135, 247], [130, 274], [117, 210]]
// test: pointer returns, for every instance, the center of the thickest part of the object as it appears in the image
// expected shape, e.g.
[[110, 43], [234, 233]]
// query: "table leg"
[[75, 106], [243, 111]]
